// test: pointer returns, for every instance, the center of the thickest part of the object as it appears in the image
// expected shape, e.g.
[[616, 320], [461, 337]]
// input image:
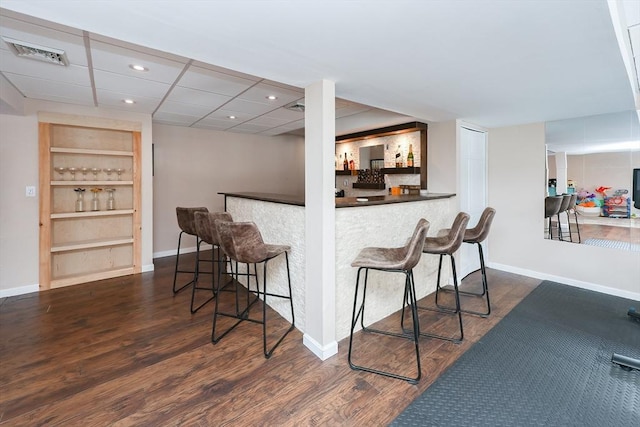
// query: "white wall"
[[19, 232], [442, 164], [191, 166], [516, 173]]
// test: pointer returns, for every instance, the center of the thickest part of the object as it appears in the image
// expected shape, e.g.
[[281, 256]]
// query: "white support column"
[[561, 173], [320, 214]]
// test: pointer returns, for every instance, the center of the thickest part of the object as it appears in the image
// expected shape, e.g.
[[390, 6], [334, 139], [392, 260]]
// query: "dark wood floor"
[[127, 351]]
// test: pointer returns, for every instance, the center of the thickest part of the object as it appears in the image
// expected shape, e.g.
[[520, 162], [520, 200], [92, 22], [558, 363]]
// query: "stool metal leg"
[[195, 282], [244, 315], [358, 313], [176, 271], [485, 286], [455, 311]]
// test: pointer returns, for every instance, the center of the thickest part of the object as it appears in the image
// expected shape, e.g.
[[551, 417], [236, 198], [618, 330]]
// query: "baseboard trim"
[[322, 352], [566, 281], [21, 290], [172, 252]]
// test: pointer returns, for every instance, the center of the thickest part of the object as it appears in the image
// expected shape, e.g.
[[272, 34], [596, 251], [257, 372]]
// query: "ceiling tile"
[[131, 86], [259, 94], [173, 118], [46, 89], [115, 59], [249, 107], [270, 121], [248, 127], [289, 115], [194, 110], [212, 81], [199, 97], [115, 100], [72, 74]]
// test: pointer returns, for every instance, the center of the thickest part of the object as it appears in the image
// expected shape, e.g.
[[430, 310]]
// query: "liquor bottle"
[[398, 157], [410, 156], [345, 163], [352, 164]]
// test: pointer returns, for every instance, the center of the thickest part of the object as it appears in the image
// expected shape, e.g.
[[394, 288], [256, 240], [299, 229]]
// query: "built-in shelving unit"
[[91, 242]]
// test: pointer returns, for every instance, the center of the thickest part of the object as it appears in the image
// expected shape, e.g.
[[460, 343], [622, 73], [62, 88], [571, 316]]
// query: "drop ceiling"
[[175, 90], [489, 62]]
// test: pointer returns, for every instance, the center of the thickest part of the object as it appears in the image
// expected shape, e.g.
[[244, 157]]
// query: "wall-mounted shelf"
[[343, 172], [407, 171], [91, 151], [369, 186], [89, 214], [89, 183]]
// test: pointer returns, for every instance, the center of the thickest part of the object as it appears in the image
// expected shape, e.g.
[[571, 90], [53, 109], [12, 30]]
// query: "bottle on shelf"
[[345, 163], [352, 164], [80, 199], [410, 156], [398, 157]]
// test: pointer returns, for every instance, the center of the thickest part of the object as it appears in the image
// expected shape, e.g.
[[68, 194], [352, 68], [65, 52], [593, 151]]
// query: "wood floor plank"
[[126, 351]]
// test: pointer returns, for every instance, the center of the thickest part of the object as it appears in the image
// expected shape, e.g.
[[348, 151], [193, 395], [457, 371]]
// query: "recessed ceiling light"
[[137, 67], [272, 97], [128, 101], [231, 117]]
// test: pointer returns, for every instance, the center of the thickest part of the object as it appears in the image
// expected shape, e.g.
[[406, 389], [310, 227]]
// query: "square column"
[[320, 213]]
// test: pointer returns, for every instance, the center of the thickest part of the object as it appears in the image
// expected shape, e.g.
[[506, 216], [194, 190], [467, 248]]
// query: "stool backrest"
[[552, 205], [241, 241], [456, 233], [203, 227], [572, 202], [213, 216], [186, 219], [415, 244], [481, 230], [566, 199]]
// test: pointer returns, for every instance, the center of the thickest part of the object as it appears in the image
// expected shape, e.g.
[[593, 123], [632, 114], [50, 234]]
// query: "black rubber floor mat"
[[547, 363]]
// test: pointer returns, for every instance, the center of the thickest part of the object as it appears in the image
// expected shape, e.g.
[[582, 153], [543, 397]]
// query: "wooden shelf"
[[369, 186], [91, 151], [89, 244], [407, 171], [91, 277], [88, 214], [89, 183]]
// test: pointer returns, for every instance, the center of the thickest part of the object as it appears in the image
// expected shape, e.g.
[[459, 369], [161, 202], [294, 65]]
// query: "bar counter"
[[341, 202], [381, 221]]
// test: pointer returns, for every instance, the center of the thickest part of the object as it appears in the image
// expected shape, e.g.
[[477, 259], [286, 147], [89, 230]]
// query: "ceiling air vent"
[[295, 106], [40, 53]]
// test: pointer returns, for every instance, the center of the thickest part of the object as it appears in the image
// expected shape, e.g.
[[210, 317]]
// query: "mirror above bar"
[[380, 159]]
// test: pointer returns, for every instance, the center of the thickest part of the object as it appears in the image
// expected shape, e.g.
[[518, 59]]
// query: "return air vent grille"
[[40, 53], [295, 106]]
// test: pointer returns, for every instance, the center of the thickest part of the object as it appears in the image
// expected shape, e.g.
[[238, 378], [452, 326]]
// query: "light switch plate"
[[31, 191]]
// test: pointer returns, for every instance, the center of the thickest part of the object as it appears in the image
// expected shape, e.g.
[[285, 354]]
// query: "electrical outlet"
[[346, 182], [30, 191]]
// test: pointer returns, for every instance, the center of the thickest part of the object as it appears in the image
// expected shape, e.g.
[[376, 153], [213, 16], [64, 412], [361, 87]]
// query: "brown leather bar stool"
[[242, 242], [476, 236], [395, 260], [566, 199], [572, 208], [186, 222], [447, 245], [551, 208], [206, 231]]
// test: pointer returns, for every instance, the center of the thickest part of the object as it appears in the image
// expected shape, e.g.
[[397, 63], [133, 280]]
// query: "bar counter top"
[[341, 202]]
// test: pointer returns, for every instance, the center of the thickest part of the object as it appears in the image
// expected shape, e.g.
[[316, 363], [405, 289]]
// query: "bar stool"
[[572, 207], [398, 260], [242, 242], [551, 208], [206, 232], [447, 245], [186, 222], [477, 235], [566, 199]]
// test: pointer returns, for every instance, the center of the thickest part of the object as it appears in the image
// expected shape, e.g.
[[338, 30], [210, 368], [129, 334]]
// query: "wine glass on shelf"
[[73, 171], [61, 170], [84, 173], [95, 172], [119, 172], [109, 171]]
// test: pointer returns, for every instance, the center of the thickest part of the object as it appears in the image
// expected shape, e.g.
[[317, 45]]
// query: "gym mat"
[[547, 363]]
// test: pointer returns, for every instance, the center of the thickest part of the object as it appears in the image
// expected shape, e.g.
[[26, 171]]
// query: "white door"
[[473, 190]]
